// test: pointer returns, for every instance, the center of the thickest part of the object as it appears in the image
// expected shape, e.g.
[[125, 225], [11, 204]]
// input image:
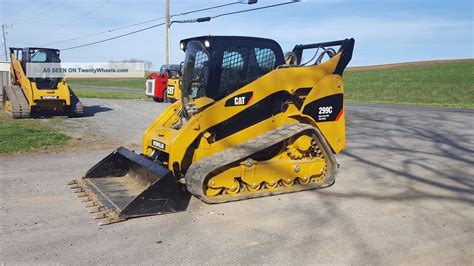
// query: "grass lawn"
[[131, 83], [26, 135], [445, 85], [103, 94], [436, 83]]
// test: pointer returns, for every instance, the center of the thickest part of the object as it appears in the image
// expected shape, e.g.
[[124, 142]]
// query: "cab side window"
[[242, 65], [231, 71], [265, 59]]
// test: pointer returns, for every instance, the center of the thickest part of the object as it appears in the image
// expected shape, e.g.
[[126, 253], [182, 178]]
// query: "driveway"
[[404, 195]]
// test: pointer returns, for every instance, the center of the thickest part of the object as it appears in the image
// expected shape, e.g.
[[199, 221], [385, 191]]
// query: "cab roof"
[[236, 41], [42, 48]]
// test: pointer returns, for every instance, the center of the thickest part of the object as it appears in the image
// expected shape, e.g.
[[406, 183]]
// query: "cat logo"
[[240, 100]]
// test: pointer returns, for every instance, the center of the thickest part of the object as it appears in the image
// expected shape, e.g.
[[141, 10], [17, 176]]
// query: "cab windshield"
[[196, 71], [39, 55], [44, 56], [173, 71]]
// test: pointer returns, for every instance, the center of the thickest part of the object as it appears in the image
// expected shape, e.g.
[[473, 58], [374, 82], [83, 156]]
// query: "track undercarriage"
[[288, 159]]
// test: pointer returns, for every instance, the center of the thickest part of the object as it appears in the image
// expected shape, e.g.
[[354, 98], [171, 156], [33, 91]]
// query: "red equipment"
[[156, 85]]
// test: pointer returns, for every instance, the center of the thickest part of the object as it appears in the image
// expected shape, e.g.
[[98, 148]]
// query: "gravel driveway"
[[404, 195], [118, 122]]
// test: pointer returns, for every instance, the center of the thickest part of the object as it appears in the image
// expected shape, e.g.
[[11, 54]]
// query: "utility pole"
[[5, 42], [167, 28]]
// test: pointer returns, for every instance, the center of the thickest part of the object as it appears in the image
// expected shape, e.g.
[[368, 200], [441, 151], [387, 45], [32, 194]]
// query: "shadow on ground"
[[425, 155], [90, 111]]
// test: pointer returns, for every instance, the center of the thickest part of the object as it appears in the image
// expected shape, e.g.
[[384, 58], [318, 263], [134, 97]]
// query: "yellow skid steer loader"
[[30, 96], [173, 90], [251, 122]]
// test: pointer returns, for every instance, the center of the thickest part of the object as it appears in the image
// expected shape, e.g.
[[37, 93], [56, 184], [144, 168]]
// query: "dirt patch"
[[35, 200]]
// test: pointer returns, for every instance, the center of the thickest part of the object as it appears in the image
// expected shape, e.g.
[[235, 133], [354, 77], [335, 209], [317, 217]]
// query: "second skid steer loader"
[[30, 96], [251, 122]]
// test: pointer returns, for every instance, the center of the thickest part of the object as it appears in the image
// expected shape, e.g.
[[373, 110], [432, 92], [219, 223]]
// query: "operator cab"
[[216, 66], [38, 55]]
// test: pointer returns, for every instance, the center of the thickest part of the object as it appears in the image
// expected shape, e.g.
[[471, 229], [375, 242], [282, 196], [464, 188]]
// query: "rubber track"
[[20, 106], [197, 172]]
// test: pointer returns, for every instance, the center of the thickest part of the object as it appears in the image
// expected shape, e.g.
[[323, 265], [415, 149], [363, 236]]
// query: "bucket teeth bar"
[[87, 199], [91, 204], [100, 215], [100, 212], [77, 189], [81, 194], [95, 209], [125, 185]]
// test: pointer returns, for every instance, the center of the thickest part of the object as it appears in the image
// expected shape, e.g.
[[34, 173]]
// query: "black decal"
[[240, 100], [325, 109], [252, 115]]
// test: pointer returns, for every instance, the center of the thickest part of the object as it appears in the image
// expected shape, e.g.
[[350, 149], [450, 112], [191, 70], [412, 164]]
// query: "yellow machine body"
[[249, 123], [173, 91], [26, 98], [316, 77], [176, 142], [30, 89]]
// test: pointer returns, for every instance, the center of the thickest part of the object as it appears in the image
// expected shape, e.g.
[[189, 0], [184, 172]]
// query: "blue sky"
[[385, 31]]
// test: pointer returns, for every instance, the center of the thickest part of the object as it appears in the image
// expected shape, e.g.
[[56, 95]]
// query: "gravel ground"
[[117, 122], [404, 195]]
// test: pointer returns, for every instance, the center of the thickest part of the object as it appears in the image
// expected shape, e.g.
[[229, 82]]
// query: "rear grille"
[[52, 105]]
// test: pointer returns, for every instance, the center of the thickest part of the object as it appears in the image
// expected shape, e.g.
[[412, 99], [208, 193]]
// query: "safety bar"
[[346, 49]]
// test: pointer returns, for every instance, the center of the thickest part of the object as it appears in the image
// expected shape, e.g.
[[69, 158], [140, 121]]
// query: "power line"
[[205, 19], [182, 21], [85, 14], [112, 38], [44, 11], [205, 9], [254, 9], [141, 23], [103, 32]]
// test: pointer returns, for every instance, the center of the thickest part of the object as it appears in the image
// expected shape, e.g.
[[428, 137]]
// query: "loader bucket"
[[125, 185]]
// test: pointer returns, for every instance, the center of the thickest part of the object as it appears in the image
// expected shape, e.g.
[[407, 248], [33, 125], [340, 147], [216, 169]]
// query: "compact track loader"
[[30, 96], [251, 122], [173, 90]]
